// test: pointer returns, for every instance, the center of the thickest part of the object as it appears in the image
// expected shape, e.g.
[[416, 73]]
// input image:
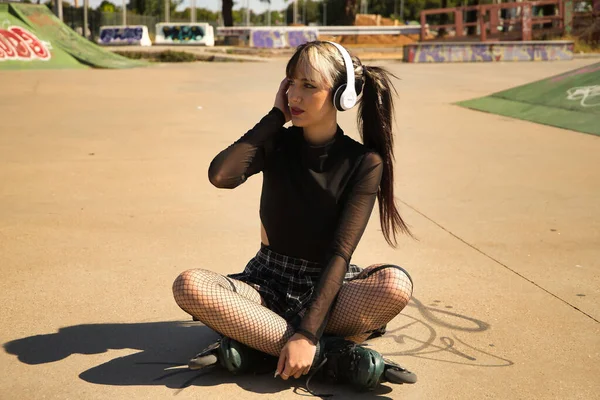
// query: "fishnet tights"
[[234, 308]]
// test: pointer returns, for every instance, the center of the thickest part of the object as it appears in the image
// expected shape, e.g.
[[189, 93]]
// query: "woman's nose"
[[293, 96]]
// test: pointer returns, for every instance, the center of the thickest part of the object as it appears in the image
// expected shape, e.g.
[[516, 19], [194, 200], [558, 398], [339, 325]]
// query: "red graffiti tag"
[[17, 43]]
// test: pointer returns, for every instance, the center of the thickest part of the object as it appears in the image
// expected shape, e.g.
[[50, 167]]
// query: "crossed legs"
[[235, 309]]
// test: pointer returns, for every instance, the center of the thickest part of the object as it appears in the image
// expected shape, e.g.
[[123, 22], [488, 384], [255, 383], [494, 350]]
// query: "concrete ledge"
[[435, 52]]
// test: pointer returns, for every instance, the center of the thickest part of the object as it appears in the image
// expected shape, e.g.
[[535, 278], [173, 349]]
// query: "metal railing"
[[327, 30], [491, 25], [370, 30]]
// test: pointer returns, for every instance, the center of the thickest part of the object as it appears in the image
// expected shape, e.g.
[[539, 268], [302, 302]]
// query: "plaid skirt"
[[285, 283]]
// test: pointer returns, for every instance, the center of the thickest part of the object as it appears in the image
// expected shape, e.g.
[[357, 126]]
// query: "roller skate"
[[234, 356], [342, 361]]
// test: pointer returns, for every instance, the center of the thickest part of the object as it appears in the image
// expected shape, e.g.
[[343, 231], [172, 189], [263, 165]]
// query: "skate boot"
[[234, 356], [343, 361]]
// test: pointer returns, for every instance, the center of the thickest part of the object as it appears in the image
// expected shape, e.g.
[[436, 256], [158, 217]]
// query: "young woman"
[[319, 189]]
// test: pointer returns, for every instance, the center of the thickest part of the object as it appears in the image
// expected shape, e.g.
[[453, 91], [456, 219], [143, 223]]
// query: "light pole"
[[85, 17], [167, 10], [304, 12], [193, 13], [220, 14], [247, 12], [324, 12], [124, 13], [295, 18], [58, 9], [402, 11]]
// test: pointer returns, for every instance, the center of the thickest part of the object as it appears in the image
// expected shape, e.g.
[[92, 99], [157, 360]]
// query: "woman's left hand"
[[296, 357]]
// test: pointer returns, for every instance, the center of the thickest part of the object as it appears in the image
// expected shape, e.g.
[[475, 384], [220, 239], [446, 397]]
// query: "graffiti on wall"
[[190, 34], [183, 33], [296, 38], [17, 43], [121, 35], [488, 52], [278, 38]]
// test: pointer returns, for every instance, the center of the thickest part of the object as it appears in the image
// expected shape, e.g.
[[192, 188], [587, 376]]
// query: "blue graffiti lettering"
[[125, 34], [276, 38], [183, 33], [270, 39], [297, 38], [481, 52], [429, 53], [457, 53]]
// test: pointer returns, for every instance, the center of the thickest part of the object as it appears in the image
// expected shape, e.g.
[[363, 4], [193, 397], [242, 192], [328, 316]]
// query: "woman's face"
[[310, 103]]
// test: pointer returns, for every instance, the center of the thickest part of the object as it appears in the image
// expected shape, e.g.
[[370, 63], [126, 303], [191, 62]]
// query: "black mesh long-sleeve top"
[[315, 203]]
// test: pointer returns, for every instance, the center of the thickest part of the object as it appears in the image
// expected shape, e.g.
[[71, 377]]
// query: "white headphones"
[[345, 96]]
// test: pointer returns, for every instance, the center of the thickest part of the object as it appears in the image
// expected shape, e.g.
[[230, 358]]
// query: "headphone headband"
[[348, 96]]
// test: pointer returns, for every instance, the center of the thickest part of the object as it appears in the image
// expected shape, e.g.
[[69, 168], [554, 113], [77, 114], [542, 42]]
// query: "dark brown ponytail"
[[375, 117]]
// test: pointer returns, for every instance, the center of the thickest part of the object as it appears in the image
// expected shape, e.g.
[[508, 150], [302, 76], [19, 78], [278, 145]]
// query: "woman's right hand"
[[281, 100]]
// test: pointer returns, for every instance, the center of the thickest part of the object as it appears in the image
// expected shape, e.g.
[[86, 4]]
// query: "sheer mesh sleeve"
[[246, 156], [353, 221]]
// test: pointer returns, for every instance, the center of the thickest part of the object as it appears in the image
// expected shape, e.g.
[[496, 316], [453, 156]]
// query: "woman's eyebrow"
[[305, 80]]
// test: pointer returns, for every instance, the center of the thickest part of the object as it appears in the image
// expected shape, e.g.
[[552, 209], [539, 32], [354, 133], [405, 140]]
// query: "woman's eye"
[[309, 86]]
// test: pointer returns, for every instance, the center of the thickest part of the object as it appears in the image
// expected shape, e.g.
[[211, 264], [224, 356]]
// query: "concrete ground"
[[104, 199]]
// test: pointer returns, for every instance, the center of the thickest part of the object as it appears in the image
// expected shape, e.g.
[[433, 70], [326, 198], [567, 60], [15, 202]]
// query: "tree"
[[350, 12], [335, 12], [107, 6], [314, 11], [202, 15], [227, 11]]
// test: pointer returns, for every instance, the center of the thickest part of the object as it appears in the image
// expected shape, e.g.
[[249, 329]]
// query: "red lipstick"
[[296, 110]]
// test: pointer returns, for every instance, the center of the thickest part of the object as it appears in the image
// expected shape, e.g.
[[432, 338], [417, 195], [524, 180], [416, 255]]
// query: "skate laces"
[[308, 389], [209, 349], [345, 348]]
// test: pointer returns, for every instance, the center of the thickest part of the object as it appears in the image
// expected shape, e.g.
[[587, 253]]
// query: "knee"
[[190, 283], [396, 283]]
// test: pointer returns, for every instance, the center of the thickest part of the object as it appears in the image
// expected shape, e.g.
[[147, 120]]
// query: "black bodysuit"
[[315, 203]]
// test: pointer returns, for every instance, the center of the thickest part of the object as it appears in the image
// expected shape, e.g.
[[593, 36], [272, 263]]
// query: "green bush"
[[175, 56], [161, 56]]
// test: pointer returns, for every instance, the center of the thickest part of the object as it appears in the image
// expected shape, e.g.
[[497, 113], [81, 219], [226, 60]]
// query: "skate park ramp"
[[49, 43], [20, 48], [570, 100]]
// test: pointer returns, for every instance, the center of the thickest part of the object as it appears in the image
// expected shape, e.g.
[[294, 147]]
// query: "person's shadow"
[[165, 348]]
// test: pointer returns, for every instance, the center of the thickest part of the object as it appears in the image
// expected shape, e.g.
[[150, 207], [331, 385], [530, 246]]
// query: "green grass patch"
[[167, 56]]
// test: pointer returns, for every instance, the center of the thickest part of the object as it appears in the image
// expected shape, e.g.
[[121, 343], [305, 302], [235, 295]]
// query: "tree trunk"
[[227, 12], [350, 12]]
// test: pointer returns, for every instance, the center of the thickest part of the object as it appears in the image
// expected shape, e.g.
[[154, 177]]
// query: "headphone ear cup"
[[337, 97]]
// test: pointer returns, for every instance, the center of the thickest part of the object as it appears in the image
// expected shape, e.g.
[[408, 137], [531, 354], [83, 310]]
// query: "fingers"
[[285, 375], [283, 86], [295, 372], [281, 363], [281, 99], [292, 363]]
